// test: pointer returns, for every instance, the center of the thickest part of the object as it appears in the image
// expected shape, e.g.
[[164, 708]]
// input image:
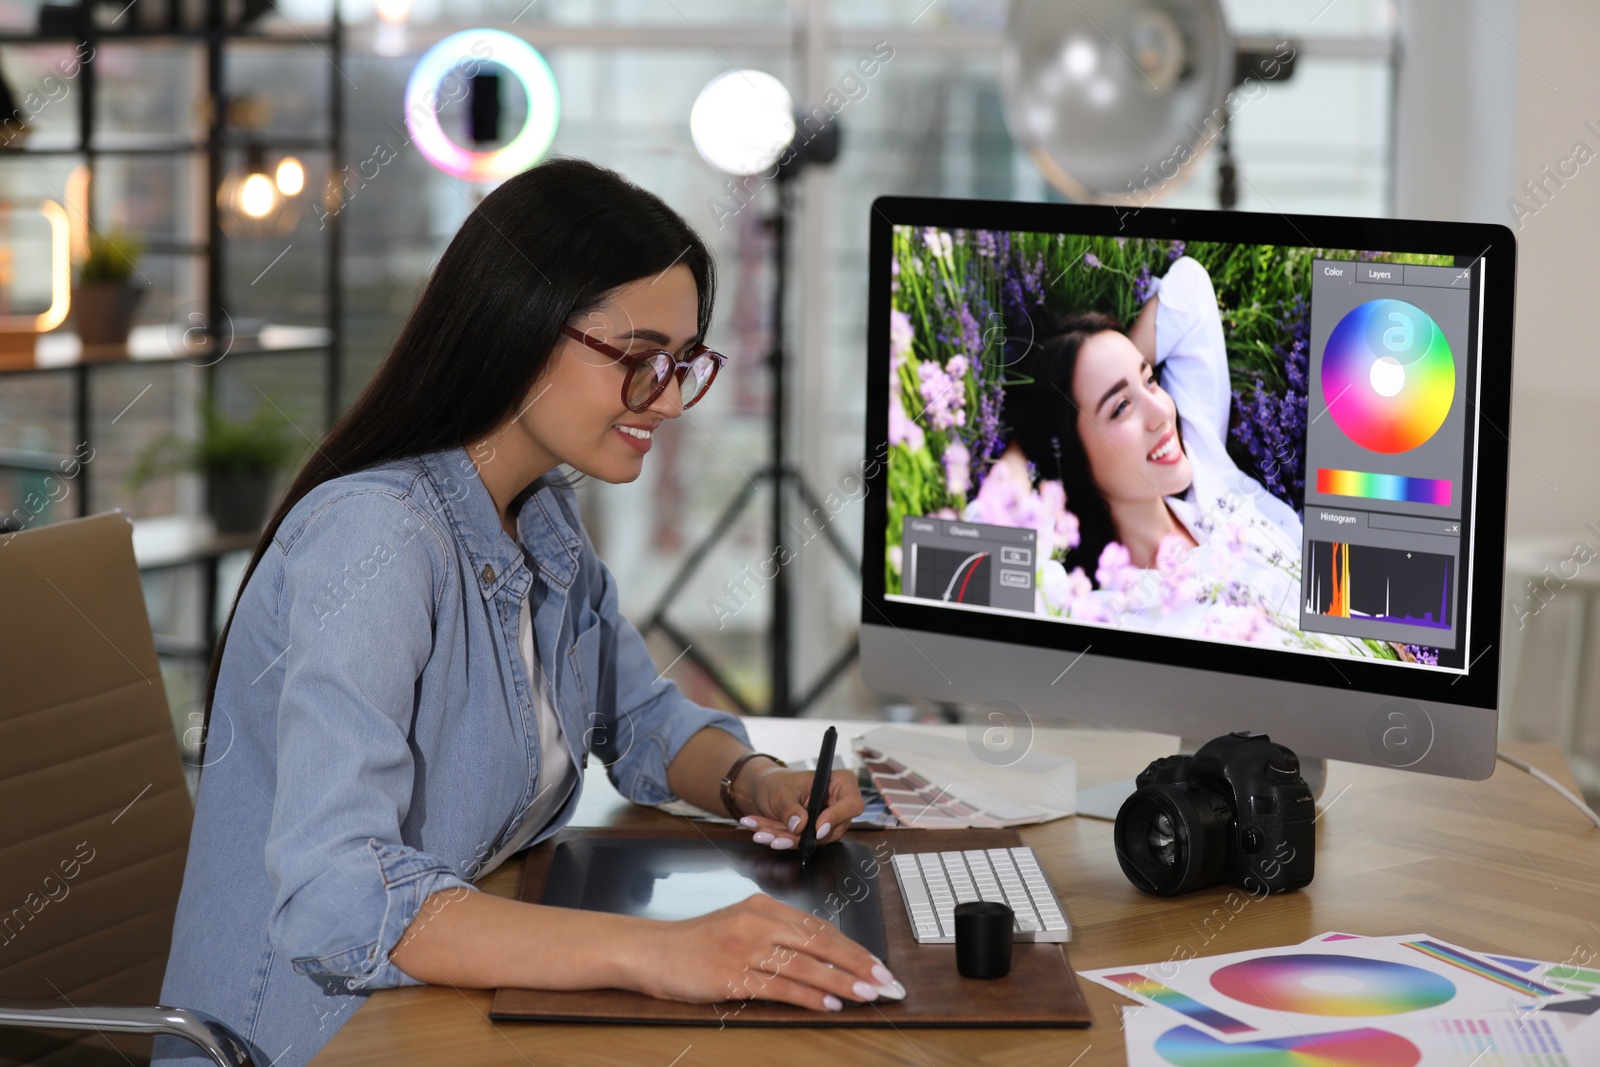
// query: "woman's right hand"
[[758, 948]]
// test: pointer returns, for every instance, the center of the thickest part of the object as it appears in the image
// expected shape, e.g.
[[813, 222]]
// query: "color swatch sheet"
[[1342, 999], [945, 783], [1154, 1041]]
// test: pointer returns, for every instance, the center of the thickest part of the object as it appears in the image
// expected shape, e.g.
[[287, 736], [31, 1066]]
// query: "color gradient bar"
[[1183, 1004], [1397, 487], [1497, 975]]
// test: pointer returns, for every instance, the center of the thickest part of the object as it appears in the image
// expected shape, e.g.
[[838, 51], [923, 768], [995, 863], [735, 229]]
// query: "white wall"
[[1555, 485], [1490, 93], [1493, 92]]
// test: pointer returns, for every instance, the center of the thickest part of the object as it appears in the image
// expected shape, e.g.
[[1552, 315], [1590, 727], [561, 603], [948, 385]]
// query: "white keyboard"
[[933, 883]]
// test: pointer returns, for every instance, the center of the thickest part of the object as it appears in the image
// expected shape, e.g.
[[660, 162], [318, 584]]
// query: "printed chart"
[[1340, 1000]]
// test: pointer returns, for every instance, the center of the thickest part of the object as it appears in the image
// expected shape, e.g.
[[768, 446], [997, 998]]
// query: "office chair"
[[96, 813]]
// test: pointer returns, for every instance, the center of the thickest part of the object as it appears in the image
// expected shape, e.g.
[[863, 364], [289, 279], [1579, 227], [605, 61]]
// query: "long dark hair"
[[542, 250], [1044, 419]]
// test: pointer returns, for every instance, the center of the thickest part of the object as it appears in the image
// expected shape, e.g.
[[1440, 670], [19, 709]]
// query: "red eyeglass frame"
[[633, 361]]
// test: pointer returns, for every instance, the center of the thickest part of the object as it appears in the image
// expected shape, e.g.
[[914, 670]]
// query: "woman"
[[1171, 533], [1143, 456], [428, 650]]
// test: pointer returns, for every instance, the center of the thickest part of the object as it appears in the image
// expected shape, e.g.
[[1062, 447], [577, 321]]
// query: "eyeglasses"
[[640, 390]]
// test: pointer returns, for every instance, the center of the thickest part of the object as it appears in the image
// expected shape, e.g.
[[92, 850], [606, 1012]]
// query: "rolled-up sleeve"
[[361, 585], [645, 719]]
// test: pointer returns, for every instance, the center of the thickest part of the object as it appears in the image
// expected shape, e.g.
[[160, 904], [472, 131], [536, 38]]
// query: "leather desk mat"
[[1040, 991]]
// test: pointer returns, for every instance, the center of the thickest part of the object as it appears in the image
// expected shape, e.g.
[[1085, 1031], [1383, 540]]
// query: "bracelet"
[[728, 802]]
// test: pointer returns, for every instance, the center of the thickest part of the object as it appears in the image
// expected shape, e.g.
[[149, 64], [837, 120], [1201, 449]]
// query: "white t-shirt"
[[557, 773]]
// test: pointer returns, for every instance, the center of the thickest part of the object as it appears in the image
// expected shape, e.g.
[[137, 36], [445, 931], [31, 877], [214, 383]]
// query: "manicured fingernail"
[[822, 831], [832, 1003], [865, 991], [882, 974], [794, 823], [750, 821], [782, 843], [762, 838]]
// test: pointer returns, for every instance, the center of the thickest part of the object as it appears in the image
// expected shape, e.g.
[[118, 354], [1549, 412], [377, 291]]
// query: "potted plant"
[[104, 300], [239, 458]]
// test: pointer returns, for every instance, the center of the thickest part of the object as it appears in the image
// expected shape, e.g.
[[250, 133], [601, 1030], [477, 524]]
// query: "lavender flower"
[[1091, 260], [1115, 567], [900, 338], [989, 443], [902, 431], [970, 338], [957, 469], [943, 394], [1271, 427], [1007, 500], [1424, 654], [1141, 286], [1176, 249]]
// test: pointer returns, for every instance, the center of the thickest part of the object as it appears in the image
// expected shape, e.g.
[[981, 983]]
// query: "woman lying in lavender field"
[[1171, 534]]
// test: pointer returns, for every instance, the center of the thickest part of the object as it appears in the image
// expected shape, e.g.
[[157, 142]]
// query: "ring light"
[[481, 46]]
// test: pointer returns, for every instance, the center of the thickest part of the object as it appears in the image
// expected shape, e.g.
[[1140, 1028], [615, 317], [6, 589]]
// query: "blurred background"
[[273, 297]]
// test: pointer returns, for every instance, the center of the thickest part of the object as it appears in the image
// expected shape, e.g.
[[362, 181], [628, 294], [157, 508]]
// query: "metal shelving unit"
[[55, 353]]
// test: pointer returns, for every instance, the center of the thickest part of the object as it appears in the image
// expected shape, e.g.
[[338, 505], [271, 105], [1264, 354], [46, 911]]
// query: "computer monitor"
[[1191, 472]]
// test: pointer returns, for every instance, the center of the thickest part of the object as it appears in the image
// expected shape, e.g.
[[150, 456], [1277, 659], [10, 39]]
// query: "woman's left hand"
[[780, 807]]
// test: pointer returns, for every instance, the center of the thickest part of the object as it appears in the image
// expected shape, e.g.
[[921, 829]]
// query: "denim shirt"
[[373, 736]]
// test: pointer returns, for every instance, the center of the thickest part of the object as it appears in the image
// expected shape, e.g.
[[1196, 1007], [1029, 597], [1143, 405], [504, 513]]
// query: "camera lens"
[[1173, 838]]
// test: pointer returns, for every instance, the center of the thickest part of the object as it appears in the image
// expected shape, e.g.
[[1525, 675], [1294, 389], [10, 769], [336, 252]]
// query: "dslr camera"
[[1237, 811]]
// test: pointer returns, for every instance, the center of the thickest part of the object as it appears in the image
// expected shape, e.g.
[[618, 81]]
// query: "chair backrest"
[[94, 809]]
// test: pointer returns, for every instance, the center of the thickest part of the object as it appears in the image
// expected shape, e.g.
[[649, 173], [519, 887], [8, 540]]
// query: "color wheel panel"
[[1185, 1046], [1346, 986], [1388, 376]]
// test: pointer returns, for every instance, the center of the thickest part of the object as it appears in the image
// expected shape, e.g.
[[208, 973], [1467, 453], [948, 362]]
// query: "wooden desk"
[[1504, 865]]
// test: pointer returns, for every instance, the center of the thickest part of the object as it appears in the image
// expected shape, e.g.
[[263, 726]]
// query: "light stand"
[[1249, 63], [811, 145]]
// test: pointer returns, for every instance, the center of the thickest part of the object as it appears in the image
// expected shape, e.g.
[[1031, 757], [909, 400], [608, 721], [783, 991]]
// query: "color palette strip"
[[1185, 1005], [1397, 487], [1498, 975]]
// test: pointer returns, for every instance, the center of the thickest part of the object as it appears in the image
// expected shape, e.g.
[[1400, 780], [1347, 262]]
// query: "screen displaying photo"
[[1250, 444]]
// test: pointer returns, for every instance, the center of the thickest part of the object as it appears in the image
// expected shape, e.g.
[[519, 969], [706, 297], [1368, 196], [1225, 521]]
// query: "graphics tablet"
[[663, 878]]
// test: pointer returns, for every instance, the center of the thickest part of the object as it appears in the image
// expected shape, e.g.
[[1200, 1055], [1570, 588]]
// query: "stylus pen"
[[819, 795]]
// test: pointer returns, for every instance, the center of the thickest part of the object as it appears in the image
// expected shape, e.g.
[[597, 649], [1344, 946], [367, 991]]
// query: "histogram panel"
[[1383, 584]]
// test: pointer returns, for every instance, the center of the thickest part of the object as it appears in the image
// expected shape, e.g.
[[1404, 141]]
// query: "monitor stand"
[[1104, 801]]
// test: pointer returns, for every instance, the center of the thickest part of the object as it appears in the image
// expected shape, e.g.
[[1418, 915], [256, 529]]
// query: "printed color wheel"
[[1317, 984], [1184, 1046], [1388, 376]]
